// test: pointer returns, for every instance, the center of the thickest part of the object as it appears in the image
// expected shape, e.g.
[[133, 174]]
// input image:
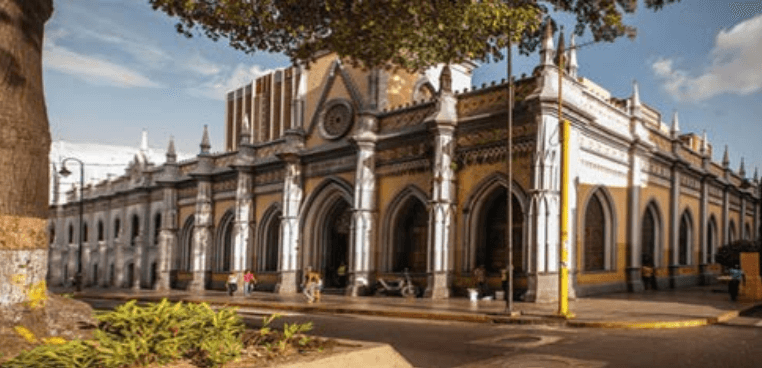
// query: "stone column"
[[742, 222], [167, 239], [119, 245], [202, 235], [289, 226], [442, 206], [704, 274], [243, 224], [674, 227], [363, 217], [725, 216]]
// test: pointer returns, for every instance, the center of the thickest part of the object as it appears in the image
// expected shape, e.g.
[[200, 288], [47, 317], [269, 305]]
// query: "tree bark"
[[24, 149]]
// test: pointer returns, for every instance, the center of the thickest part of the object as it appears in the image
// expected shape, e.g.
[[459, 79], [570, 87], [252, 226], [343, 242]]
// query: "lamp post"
[[65, 172]]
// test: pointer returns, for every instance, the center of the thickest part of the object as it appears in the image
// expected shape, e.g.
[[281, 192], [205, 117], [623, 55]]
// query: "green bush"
[[730, 254], [160, 332]]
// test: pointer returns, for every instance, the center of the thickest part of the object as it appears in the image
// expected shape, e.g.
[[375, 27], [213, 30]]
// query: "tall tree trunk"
[[24, 147]]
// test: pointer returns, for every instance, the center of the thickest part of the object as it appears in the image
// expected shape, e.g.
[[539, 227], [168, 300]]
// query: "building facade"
[[387, 171]]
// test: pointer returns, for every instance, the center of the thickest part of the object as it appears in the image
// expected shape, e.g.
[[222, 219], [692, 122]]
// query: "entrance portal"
[[336, 244]]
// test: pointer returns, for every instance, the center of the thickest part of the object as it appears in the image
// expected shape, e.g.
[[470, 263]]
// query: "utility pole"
[[564, 129], [509, 159]]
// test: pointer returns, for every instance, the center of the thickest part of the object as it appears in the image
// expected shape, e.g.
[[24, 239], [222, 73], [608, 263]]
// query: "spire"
[[171, 155], [725, 158], [572, 58], [756, 175], [445, 80], [742, 170], [635, 104], [205, 146], [561, 48], [144, 141], [704, 144], [675, 124], [546, 51]]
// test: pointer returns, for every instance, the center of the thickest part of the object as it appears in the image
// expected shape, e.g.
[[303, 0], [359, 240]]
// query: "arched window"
[[185, 254], [747, 231], [223, 249], [732, 231], [100, 230], [71, 233], [410, 245], [597, 234], [685, 239], [272, 243], [649, 236], [156, 228], [492, 250], [84, 233], [117, 228], [711, 238], [135, 230]]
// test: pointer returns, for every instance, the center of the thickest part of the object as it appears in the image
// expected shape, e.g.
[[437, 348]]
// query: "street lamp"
[[65, 172]]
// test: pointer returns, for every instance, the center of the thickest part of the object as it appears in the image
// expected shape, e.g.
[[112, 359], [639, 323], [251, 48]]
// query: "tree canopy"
[[394, 33]]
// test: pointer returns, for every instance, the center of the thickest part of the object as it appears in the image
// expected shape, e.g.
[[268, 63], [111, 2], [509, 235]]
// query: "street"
[[455, 344]]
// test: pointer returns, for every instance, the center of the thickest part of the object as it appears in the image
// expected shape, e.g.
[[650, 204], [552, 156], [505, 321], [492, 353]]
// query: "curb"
[[454, 317]]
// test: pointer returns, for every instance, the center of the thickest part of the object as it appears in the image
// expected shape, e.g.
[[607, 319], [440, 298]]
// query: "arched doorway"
[[711, 238], [595, 236], [409, 250], [492, 249], [649, 237], [685, 239], [272, 244], [223, 247], [336, 242]]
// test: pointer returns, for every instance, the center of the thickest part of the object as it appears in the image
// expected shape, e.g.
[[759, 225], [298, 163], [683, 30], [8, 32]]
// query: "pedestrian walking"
[[342, 275], [481, 280], [249, 282], [312, 285], [232, 283], [736, 276], [648, 274], [504, 282]]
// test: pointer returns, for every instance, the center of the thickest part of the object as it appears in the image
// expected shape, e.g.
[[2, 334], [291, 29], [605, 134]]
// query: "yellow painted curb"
[[641, 325]]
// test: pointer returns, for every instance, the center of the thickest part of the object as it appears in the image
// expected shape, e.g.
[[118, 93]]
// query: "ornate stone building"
[[387, 171]]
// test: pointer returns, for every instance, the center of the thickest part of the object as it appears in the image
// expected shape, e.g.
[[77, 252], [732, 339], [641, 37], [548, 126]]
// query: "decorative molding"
[[486, 136], [272, 176], [225, 186], [406, 167], [406, 118], [336, 165], [400, 152], [598, 167], [602, 149], [688, 181]]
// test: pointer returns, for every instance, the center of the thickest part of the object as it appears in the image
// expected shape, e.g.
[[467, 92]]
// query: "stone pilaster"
[[243, 224], [289, 237], [442, 206], [705, 276], [119, 247], [674, 227], [167, 238], [363, 217], [634, 279], [202, 235]]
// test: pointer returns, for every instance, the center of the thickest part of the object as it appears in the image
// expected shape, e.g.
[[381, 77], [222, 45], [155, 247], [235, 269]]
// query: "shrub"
[[729, 255], [160, 332]]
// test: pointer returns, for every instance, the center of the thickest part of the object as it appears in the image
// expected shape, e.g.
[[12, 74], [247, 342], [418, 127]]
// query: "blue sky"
[[115, 67]]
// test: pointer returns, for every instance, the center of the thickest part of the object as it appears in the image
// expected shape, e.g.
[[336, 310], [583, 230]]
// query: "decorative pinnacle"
[[675, 124], [144, 141], [742, 170], [573, 65], [171, 155], [725, 158], [445, 80], [635, 95], [756, 175], [704, 144], [561, 47], [205, 146], [546, 52]]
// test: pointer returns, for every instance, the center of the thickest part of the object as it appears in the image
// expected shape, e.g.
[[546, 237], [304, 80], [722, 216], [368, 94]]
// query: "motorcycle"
[[403, 285]]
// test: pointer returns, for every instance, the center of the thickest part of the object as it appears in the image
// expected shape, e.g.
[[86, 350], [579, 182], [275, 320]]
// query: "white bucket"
[[473, 295], [499, 295]]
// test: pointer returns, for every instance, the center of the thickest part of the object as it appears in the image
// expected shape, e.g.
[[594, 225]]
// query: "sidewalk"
[[690, 307]]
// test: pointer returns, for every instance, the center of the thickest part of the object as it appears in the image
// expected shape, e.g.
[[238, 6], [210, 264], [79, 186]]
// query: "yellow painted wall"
[[400, 88], [220, 207], [183, 213], [317, 75], [263, 202]]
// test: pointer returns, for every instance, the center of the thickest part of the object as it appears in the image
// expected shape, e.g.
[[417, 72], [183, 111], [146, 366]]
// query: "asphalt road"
[[454, 344]]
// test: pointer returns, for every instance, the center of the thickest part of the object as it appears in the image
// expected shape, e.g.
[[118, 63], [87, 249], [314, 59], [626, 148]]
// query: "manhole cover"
[[519, 340]]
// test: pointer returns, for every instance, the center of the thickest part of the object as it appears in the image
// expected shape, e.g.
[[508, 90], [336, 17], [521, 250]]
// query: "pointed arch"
[[423, 90], [268, 242], [134, 229], [712, 238], [336, 69], [651, 235], [685, 238], [394, 211], [599, 231], [489, 195], [222, 253], [184, 258], [332, 192]]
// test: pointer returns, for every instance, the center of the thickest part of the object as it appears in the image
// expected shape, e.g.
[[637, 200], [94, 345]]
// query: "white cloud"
[[735, 66], [92, 69], [218, 87]]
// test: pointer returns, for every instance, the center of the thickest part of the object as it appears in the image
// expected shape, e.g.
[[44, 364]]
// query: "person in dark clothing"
[[736, 276], [504, 283]]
